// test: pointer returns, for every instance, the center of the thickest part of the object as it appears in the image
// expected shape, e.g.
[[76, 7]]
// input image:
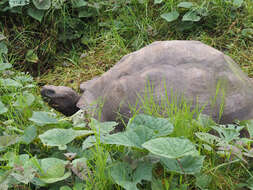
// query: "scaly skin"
[[61, 98]]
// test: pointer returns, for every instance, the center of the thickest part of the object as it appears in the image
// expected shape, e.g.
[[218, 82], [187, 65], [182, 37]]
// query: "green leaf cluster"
[[147, 133], [191, 11]]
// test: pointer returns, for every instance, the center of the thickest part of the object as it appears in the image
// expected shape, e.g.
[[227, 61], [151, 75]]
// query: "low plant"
[[137, 158], [48, 29], [193, 12], [176, 149], [148, 154]]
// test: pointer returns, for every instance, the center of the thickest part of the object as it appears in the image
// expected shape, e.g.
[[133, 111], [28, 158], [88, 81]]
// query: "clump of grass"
[[181, 113]]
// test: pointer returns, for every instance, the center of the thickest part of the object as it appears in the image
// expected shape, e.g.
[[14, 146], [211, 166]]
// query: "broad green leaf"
[[61, 137], [38, 182], [53, 170], [7, 140], [229, 132], [42, 118], [36, 13], [29, 135], [79, 3], [42, 4], [237, 3], [79, 186], [3, 48], [160, 126], [15, 3], [132, 138], [4, 66], [53, 167], [24, 100], [171, 147], [65, 188], [102, 128], [78, 121], [186, 165], [3, 109], [208, 138], [89, 142], [186, 5], [79, 161], [203, 181], [31, 56], [171, 16], [24, 176], [143, 172], [191, 16], [10, 83], [124, 176], [158, 1]]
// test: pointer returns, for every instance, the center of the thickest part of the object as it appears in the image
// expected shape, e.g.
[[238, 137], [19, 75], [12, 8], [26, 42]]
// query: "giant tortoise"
[[191, 70]]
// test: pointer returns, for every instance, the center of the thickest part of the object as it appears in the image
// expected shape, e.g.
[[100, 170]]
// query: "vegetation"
[[67, 42]]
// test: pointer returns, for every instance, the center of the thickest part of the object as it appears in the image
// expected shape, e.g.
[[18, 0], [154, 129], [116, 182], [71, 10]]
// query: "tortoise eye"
[[49, 92]]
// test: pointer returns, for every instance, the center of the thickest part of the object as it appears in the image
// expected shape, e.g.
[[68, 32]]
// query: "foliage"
[[132, 159], [124, 176], [81, 25], [194, 12], [60, 137], [145, 146], [38, 9], [139, 130], [40, 149]]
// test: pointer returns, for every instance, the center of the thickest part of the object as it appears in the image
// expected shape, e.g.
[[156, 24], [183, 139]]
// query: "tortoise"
[[198, 73]]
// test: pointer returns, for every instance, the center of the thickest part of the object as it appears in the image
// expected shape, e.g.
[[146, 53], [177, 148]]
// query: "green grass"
[[71, 50], [116, 33]]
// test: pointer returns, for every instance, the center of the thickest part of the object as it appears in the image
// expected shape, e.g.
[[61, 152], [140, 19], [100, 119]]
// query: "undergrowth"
[[173, 150], [68, 42], [105, 31]]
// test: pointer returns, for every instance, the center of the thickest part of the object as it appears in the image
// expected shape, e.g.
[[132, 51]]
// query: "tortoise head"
[[61, 98]]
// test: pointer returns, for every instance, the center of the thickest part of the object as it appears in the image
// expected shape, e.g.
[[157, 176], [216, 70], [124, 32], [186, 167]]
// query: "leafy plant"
[[227, 142], [124, 176], [144, 132], [190, 12], [61, 137], [193, 13], [38, 36]]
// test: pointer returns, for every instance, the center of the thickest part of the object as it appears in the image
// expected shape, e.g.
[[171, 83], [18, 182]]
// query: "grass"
[[72, 50], [117, 33]]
